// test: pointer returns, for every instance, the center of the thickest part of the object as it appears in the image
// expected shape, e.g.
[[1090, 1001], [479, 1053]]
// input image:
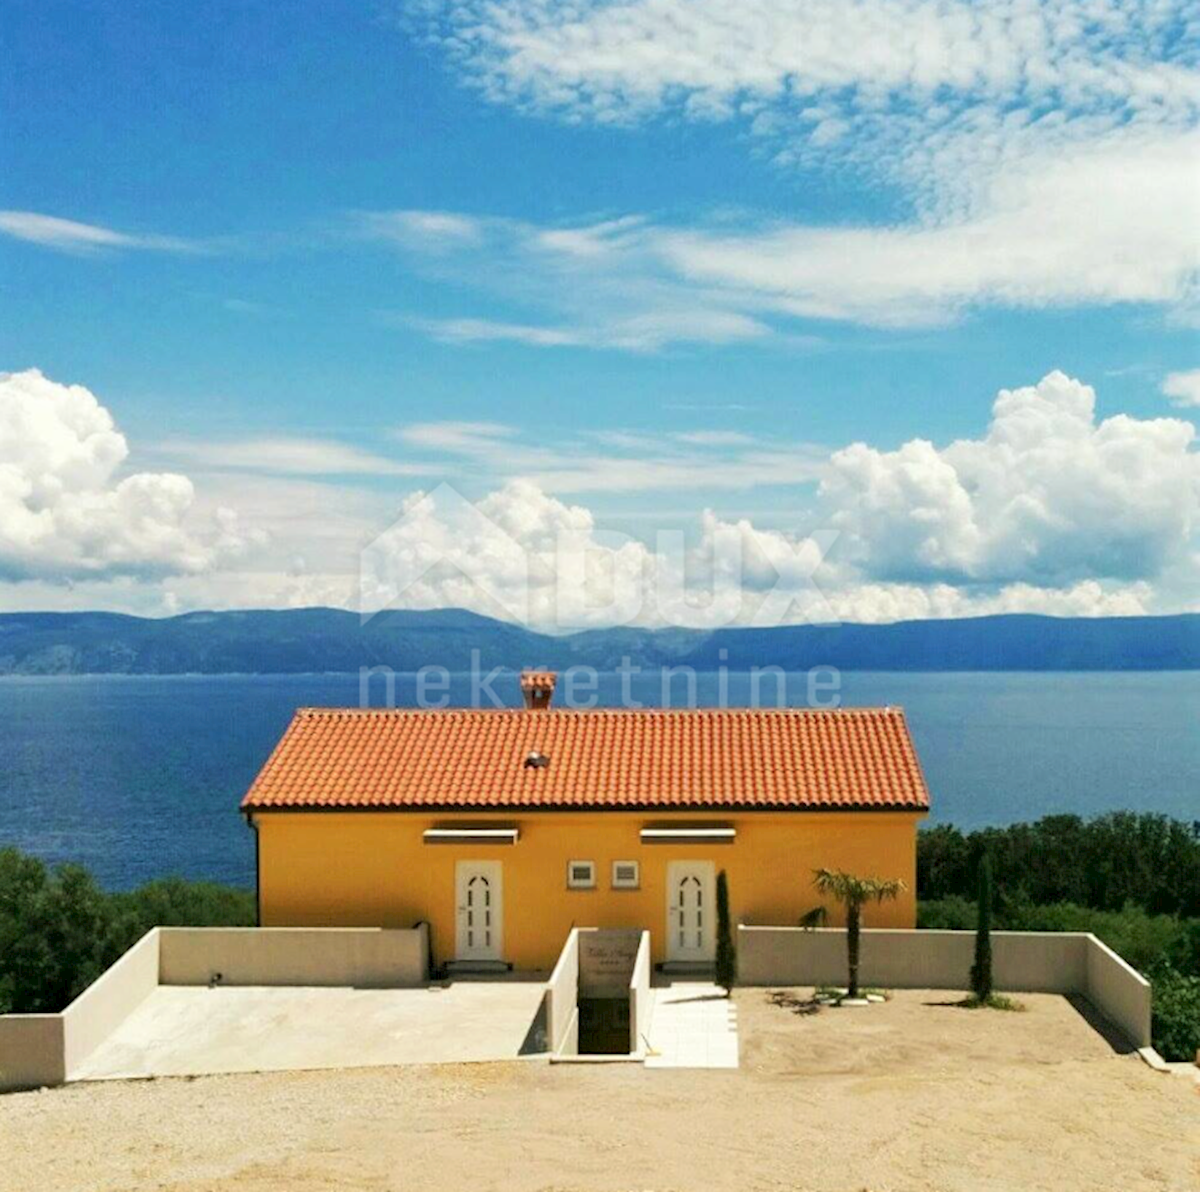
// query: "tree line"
[[1147, 860], [59, 930]]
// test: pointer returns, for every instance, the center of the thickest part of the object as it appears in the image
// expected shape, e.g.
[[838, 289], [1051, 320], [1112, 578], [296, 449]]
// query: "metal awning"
[[471, 835], [710, 835]]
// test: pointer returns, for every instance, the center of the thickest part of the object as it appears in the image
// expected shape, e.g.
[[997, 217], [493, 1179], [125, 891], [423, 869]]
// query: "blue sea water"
[[141, 777]]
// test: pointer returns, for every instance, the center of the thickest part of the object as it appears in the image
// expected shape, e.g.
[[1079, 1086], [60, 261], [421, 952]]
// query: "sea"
[[140, 777]]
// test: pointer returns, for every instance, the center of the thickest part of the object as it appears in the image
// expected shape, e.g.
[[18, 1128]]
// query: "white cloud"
[[714, 438], [465, 331], [429, 231], [1047, 148], [1049, 496], [643, 333], [522, 554], [460, 438], [66, 513], [1114, 221], [600, 285], [67, 235], [1053, 511], [1111, 220], [640, 462], [822, 61], [1183, 387], [287, 456]]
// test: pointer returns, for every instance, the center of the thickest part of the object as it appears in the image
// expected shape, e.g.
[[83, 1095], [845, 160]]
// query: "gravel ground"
[[912, 1095]]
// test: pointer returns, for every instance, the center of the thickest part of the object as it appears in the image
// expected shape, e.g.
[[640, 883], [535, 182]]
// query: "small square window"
[[625, 875], [581, 875]]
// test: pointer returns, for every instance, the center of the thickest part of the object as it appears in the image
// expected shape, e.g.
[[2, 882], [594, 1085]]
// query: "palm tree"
[[854, 892]]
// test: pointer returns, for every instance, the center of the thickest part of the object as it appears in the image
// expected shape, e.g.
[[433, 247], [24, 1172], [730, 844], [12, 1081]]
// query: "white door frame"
[[479, 910], [694, 939]]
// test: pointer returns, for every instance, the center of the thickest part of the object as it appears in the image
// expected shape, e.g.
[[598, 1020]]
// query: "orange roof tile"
[[703, 759]]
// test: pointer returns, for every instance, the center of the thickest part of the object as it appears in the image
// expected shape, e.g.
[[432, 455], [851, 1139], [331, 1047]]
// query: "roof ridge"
[[865, 710]]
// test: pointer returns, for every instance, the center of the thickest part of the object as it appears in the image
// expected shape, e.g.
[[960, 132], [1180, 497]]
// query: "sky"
[[658, 311]]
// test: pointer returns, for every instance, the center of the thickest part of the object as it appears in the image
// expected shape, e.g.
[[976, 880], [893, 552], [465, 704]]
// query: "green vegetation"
[[1104, 863], [1140, 938], [854, 892], [981, 970], [726, 949], [59, 931], [1176, 1021]]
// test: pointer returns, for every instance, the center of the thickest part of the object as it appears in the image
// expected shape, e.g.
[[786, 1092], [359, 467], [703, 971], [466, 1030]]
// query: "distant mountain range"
[[318, 640]]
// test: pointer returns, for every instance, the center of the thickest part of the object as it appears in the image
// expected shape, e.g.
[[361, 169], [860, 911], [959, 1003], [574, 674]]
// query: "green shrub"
[[54, 934], [947, 914], [1141, 939], [726, 949], [1176, 1015], [59, 931], [173, 902]]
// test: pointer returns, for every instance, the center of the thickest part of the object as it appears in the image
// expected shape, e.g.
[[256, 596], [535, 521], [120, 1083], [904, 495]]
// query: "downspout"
[[253, 824]]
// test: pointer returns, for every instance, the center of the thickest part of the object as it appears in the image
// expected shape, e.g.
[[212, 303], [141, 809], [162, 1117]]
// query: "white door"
[[691, 912], [480, 910]]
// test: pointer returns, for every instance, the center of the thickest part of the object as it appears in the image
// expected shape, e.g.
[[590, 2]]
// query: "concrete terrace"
[[203, 1001], [193, 1031]]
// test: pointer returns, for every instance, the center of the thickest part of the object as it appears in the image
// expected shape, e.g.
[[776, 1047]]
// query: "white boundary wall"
[[1023, 961], [361, 957], [1119, 991], [48, 1049], [109, 1000], [562, 999], [641, 1002]]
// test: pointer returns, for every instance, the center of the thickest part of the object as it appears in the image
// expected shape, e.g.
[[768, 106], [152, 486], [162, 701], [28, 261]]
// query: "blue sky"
[[615, 267]]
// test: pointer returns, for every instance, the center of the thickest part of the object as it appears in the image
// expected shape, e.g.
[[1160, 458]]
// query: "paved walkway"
[[191, 1031], [693, 1025]]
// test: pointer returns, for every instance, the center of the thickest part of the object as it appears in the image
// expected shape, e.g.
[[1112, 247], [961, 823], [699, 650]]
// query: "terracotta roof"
[[705, 759]]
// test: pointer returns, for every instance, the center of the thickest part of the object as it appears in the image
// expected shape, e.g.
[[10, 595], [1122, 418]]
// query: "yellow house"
[[503, 829]]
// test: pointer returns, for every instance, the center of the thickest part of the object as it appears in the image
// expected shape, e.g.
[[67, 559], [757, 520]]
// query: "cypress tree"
[[726, 949], [981, 970]]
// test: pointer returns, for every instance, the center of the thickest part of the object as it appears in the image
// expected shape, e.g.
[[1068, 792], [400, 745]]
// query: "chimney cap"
[[537, 686]]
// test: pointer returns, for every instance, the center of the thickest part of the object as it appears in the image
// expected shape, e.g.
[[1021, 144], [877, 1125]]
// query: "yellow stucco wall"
[[354, 869]]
